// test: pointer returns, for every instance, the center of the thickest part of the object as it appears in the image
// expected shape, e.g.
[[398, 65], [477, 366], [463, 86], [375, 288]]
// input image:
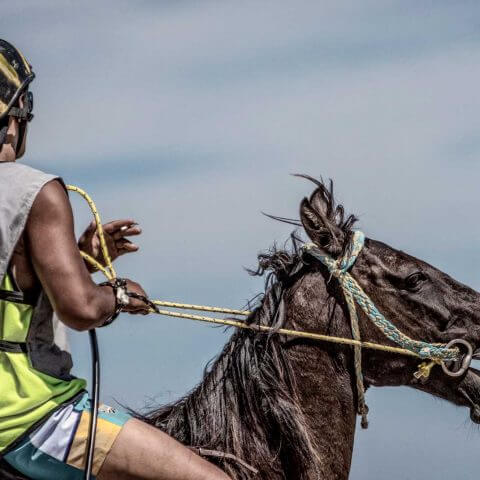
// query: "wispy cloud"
[[189, 116]]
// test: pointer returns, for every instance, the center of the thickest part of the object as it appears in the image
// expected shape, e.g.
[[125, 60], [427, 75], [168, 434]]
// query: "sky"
[[190, 117]]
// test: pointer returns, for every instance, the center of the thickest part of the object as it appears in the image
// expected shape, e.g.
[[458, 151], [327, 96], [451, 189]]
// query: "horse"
[[285, 408]]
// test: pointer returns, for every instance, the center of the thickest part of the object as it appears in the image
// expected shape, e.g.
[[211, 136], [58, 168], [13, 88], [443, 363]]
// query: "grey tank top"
[[19, 186]]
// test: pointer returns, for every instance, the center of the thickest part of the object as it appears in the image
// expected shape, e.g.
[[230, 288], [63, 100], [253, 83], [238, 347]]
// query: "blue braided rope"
[[339, 269]]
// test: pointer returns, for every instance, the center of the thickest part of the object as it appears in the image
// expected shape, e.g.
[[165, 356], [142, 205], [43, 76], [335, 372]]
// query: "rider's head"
[[16, 102]]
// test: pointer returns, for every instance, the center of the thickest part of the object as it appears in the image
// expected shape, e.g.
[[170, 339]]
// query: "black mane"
[[248, 392], [246, 403]]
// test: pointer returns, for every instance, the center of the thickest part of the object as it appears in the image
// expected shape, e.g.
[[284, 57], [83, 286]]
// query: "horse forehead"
[[379, 257]]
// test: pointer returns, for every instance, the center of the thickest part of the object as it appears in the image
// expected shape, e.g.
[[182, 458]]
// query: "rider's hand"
[[136, 306], [115, 238]]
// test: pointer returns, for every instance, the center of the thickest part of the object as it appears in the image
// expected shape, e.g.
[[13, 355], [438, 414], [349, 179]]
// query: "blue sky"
[[190, 116]]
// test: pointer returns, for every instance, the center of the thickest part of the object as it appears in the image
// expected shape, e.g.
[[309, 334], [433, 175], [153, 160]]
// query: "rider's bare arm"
[[50, 237]]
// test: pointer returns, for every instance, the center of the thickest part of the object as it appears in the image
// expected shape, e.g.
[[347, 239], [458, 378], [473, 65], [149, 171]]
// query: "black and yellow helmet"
[[15, 76]]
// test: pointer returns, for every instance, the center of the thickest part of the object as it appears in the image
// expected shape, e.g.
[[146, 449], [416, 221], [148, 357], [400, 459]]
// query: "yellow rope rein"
[[110, 274]]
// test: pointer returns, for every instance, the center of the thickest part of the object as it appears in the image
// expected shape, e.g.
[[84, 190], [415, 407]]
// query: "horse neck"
[[325, 394], [324, 377], [285, 409]]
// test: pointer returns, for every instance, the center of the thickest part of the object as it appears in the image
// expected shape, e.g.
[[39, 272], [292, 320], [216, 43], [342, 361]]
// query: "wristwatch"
[[122, 299]]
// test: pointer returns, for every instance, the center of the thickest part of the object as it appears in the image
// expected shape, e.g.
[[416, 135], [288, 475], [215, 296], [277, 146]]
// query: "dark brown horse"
[[287, 406]]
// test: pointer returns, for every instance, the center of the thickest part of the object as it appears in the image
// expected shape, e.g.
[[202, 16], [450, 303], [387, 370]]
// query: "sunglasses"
[[28, 105]]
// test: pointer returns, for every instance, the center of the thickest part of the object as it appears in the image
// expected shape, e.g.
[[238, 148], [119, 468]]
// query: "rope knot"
[[339, 268], [334, 267], [336, 272]]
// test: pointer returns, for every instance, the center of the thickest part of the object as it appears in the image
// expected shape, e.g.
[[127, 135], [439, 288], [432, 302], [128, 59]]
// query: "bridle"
[[431, 353]]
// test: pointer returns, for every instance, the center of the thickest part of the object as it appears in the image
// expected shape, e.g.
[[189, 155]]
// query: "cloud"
[[189, 116], [129, 79]]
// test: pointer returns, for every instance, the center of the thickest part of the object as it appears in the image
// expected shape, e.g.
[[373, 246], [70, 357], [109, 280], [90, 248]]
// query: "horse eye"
[[414, 281]]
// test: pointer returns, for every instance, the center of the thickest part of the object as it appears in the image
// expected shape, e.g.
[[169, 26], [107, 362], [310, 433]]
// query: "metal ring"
[[467, 359]]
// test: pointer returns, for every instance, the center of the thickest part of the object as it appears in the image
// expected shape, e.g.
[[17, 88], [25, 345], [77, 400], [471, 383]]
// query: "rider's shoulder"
[[51, 204], [52, 193]]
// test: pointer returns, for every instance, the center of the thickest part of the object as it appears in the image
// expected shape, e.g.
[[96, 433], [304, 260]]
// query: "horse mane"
[[246, 403]]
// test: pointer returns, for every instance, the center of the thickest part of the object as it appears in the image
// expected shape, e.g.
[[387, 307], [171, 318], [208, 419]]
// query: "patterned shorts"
[[57, 449]]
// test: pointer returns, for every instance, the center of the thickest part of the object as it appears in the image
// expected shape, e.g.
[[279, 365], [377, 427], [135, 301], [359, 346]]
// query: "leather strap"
[[21, 113], [16, 297], [3, 134], [13, 347]]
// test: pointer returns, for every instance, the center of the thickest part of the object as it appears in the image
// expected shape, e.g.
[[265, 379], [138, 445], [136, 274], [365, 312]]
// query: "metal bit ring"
[[466, 361]]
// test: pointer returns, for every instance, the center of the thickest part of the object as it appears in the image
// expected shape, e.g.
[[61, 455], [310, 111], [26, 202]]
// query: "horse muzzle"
[[469, 389]]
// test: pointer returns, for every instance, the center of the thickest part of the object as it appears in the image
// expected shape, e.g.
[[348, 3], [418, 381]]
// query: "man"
[[44, 411]]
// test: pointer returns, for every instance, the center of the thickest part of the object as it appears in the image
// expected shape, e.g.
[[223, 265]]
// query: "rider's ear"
[[320, 228]]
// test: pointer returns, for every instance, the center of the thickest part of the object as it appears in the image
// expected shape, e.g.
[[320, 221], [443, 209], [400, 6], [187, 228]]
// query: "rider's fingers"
[[138, 307], [91, 227], [125, 246], [89, 231], [112, 227], [127, 232], [138, 312]]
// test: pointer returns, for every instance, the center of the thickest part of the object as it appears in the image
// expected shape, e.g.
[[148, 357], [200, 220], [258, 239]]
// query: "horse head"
[[423, 302]]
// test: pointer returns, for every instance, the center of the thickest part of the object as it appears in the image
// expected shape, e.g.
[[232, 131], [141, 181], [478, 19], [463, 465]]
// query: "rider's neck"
[[8, 150], [7, 153]]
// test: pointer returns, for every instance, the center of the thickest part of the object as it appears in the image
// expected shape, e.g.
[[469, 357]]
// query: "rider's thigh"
[[142, 452]]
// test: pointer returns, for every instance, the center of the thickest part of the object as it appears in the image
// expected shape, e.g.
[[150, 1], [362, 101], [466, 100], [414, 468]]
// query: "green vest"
[[34, 372], [27, 395]]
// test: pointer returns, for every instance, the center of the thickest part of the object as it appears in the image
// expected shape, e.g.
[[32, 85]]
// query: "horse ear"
[[322, 231]]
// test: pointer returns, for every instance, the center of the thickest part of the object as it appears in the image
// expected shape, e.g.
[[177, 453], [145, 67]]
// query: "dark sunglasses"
[[24, 113], [28, 105]]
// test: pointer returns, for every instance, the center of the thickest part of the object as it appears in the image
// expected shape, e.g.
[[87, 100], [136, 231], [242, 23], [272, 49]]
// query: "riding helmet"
[[15, 76]]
